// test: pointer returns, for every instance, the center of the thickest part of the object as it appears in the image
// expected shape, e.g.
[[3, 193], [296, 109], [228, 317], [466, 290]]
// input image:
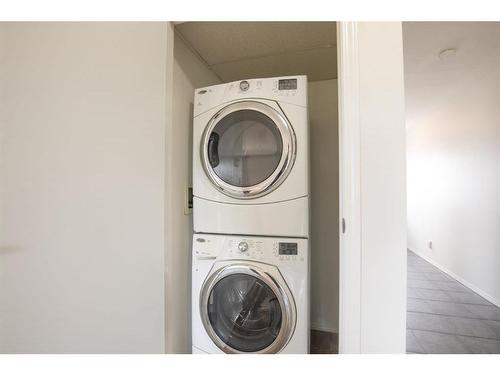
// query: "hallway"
[[444, 316]]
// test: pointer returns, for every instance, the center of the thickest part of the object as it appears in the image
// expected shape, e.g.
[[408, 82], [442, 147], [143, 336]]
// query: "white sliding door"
[[372, 188]]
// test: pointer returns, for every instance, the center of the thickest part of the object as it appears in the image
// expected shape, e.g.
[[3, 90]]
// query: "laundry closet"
[[213, 53]]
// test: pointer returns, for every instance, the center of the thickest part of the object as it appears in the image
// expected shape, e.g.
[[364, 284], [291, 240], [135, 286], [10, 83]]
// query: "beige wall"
[[82, 122], [188, 73], [323, 121], [453, 139]]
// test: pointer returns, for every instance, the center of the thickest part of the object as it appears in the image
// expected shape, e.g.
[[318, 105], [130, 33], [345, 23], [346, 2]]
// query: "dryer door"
[[248, 149], [246, 310]]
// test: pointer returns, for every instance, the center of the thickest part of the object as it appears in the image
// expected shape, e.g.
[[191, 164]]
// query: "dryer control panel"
[[290, 89]]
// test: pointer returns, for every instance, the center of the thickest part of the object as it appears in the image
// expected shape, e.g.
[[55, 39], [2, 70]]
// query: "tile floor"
[[444, 316]]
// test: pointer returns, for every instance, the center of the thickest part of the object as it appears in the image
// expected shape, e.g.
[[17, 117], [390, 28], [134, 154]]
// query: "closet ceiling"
[[239, 50]]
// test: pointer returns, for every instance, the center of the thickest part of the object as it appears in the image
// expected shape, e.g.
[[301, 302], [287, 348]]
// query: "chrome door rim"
[[284, 166], [283, 294]]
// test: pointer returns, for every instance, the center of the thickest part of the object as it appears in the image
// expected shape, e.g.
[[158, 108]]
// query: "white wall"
[[188, 73], [373, 199], [82, 121], [323, 121], [453, 142]]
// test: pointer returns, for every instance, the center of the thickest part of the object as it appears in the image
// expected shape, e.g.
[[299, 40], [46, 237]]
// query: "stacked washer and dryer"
[[250, 264]]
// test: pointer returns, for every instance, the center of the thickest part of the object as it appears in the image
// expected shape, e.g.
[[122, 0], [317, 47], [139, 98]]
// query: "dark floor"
[[444, 316], [324, 342]]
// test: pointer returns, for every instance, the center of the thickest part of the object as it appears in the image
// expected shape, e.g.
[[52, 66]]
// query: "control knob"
[[244, 85], [243, 246]]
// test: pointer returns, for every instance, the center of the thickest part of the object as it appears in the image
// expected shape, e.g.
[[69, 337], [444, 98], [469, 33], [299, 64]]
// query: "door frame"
[[171, 345], [372, 254], [349, 189]]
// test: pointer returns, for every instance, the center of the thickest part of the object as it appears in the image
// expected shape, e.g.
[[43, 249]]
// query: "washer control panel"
[[249, 248], [287, 248], [245, 248], [287, 251]]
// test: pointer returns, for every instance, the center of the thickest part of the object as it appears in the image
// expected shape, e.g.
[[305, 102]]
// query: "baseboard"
[[474, 288], [322, 327]]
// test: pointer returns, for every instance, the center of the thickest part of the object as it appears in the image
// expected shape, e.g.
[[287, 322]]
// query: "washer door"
[[248, 149], [245, 310]]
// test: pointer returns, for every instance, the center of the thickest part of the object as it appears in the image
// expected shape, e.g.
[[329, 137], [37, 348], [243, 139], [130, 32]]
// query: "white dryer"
[[250, 158], [250, 294]]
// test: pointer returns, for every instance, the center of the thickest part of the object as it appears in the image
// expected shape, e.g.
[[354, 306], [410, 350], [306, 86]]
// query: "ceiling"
[[238, 50], [477, 46], [474, 42]]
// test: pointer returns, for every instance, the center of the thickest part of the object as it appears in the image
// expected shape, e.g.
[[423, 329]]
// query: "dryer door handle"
[[213, 149]]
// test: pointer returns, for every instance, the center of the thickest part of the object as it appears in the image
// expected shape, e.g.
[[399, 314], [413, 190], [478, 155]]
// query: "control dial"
[[243, 246], [244, 85]]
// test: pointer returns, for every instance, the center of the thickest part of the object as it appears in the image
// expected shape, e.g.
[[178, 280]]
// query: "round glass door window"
[[245, 148], [244, 313], [248, 149]]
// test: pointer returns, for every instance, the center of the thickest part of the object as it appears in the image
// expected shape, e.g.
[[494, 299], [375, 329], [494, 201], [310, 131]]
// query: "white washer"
[[250, 294], [251, 157]]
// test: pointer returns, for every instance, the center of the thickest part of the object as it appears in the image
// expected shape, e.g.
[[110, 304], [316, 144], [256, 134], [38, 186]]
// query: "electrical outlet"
[[429, 244]]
